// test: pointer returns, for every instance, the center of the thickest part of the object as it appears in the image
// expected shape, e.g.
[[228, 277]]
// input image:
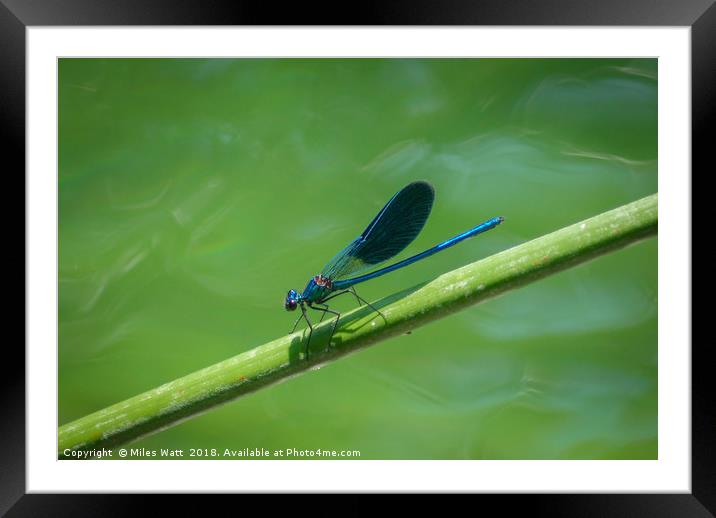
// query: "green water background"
[[194, 193]]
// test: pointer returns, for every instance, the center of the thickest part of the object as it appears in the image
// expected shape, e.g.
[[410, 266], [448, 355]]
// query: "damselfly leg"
[[360, 300], [325, 309], [371, 306], [304, 315], [310, 329]]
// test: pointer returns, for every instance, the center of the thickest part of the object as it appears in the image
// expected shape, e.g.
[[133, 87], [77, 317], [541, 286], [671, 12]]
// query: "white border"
[[670, 473]]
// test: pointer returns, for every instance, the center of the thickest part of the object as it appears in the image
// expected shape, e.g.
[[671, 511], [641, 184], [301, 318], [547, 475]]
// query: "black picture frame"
[[17, 15]]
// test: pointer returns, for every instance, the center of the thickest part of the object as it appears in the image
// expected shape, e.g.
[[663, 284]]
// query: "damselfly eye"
[[291, 302]]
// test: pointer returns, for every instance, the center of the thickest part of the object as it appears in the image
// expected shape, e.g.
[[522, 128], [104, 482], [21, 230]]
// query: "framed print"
[[486, 195]]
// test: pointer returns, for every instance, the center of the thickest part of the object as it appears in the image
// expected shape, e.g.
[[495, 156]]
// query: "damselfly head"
[[291, 300]]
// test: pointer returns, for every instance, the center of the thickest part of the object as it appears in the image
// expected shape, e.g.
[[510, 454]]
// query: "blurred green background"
[[194, 193]]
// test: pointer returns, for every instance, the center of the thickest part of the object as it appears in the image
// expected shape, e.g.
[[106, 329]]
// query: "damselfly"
[[393, 229]]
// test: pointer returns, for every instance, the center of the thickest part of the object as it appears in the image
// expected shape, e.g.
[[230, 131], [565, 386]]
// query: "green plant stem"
[[275, 361]]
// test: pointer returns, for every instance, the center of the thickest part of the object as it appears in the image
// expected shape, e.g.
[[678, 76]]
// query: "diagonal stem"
[[200, 391]]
